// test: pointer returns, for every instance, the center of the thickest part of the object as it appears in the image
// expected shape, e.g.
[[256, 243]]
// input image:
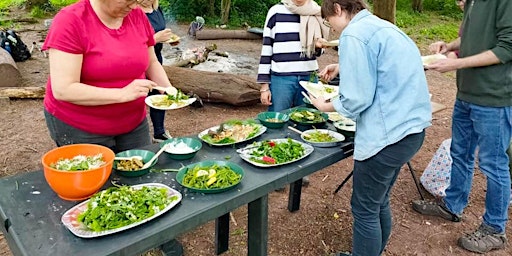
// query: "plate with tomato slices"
[[275, 152]]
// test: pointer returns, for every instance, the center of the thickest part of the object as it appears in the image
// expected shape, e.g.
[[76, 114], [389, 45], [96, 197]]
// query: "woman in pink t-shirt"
[[101, 52]]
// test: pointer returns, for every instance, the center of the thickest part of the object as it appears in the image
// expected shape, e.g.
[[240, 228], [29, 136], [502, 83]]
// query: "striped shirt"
[[281, 50]]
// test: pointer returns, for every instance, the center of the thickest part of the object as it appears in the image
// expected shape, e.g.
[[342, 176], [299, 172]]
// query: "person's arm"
[[65, 75], [265, 61], [156, 72]]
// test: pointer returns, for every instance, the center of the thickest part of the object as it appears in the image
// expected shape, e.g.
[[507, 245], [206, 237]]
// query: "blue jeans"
[[490, 129], [286, 92], [373, 180], [157, 117], [64, 134]]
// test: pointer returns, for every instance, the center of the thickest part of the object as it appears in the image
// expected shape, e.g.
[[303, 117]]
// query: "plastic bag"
[[436, 177]]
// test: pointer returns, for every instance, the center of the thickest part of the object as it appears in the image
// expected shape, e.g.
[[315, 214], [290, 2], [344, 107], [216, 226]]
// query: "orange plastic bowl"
[[77, 185]]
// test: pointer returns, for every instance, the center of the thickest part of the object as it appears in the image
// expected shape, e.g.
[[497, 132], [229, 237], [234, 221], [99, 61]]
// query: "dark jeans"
[[64, 134], [157, 117], [373, 180]]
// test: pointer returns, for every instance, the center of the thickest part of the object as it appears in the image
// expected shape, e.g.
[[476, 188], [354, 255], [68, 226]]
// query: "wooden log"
[[237, 90], [9, 73], [23, 92], [209, 34]]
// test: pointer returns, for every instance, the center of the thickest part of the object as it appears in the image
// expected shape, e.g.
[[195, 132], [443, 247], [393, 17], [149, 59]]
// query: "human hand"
[[444, 65], [163, 35], [266, 95], [136, 89], [321, 104], [320, 43], [329, 72], [438, 47]]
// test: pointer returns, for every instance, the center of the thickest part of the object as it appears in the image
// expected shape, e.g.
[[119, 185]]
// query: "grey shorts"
[[64, 134]]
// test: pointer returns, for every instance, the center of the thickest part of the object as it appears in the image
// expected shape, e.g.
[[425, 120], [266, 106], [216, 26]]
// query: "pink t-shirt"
[[112, 58]]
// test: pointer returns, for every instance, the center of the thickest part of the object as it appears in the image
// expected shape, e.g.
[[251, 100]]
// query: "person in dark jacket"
[[481, 118]]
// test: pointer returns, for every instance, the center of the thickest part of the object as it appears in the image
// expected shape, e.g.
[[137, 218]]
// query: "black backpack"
[[18, 49]]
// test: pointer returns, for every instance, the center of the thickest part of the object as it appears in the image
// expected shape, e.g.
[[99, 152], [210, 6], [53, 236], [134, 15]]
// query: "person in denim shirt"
[[384, 89], [482, 119]]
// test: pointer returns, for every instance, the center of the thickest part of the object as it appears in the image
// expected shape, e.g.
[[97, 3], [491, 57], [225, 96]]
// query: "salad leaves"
[[211, 177], [271, 152], [120, 206], [79, 163]]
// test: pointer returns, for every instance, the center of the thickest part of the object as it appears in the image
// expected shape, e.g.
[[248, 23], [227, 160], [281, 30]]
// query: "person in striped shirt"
[[288, 54]]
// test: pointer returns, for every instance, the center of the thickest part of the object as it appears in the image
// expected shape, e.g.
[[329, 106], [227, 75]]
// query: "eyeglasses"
[[327, 24]]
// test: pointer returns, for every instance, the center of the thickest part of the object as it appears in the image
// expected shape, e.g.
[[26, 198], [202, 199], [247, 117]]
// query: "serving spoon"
[[146, 165]]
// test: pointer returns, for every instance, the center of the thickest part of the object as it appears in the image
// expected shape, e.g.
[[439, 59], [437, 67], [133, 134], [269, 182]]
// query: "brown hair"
[[351, 6]]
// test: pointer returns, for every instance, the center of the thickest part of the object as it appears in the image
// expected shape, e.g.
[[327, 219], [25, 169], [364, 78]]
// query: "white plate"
[[335, 116], [345, 125], [69, 219], [320, 89], [184, 103], [245, 154], [338, 136], [429, 59], [332, 43], [261, 130]]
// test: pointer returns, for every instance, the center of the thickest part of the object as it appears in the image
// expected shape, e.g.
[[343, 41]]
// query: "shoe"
[[305, 181], [172, 248], [434, 208], [483, 240], [162, 137]]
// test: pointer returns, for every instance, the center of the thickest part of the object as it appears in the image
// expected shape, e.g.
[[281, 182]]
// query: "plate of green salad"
[[231, 132], [210, 176], [125, 206], [275, 152]]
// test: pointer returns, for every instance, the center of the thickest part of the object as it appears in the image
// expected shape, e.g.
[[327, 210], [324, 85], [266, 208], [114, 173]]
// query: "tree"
[[417, 5], [385, 9], [225, 7]]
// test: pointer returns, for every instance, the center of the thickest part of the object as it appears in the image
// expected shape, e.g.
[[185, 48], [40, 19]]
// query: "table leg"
[[294, 196], [258, 227], [222, 234]]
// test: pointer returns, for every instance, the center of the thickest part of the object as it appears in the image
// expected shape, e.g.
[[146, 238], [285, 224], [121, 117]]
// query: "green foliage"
[[37, 12], [242, 11], [439, 20], [61, 3]]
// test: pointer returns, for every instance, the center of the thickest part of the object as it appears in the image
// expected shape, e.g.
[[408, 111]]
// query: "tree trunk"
[[225, 8], [385, 9], [22, 92], [236, 90], [211, 8], [417, 5], [209, 34], [9, 74]]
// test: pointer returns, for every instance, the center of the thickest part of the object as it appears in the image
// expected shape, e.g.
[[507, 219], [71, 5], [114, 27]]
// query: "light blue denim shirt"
[[382, 84]]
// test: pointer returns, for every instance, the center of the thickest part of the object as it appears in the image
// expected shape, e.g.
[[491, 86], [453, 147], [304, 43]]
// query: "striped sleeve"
[[267, 47]]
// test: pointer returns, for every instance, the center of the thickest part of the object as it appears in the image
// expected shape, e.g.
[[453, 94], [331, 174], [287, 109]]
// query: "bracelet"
[[265, 90]]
